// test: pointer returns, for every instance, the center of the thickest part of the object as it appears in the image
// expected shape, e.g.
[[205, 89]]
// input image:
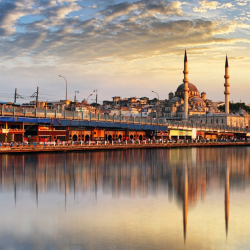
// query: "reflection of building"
[[187, 174], [227, 182]]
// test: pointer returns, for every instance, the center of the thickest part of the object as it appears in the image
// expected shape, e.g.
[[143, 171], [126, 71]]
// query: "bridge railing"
[[7, 110]]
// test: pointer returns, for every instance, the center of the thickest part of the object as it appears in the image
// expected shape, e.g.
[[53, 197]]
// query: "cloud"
[[144, 7], [242, 2], [211, 5], [206, 5], [10, 12], [125, 31]]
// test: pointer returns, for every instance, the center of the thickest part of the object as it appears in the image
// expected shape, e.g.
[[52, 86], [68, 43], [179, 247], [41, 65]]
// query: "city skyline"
[[122, 48]]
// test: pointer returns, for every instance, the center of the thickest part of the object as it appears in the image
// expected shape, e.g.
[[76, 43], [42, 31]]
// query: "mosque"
[[188, 104]]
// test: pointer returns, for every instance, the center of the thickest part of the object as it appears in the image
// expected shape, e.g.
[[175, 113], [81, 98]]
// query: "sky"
[[122, 48]]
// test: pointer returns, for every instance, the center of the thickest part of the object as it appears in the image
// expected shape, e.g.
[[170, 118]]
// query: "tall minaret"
[[186, 89], [227, 85]]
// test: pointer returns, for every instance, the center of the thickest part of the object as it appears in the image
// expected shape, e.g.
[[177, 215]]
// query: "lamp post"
[[66, 87], [75, 94], [157, 104], [141, 107], [95, 99], [88, 97]]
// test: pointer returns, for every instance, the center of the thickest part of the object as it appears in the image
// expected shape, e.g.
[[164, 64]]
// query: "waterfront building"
[[200, 109], [187, 100], [240, 119]]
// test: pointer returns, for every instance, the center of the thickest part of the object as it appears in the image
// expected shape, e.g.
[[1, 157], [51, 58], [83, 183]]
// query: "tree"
[[235, 107], [95, 104]]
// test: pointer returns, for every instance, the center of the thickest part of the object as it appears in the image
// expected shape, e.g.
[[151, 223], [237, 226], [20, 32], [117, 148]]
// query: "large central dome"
[[190, 86], [193, 91]]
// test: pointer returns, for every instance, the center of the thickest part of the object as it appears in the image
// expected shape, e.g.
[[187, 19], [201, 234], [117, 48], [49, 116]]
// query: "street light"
[[75, 94], [140, 106], [95, 99], [156, 94], [157, 104], [95, 96], [66, 86], [88, 97]]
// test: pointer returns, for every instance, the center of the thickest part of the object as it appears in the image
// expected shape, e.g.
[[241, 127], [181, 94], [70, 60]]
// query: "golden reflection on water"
[[186, 177]]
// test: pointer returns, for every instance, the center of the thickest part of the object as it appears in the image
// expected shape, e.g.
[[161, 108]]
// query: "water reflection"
[[186, 175]]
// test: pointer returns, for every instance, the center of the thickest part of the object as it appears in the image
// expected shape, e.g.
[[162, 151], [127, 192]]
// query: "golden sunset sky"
[[124, 48]]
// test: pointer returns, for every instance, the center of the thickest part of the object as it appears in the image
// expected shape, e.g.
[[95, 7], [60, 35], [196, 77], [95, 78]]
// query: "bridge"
[[86, 119]]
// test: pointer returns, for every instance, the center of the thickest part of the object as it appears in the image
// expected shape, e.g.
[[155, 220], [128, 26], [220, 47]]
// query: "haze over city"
[[125, 48]]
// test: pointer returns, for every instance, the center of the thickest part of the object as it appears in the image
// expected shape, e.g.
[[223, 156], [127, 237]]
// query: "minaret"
[[186, 89], [227, 85]]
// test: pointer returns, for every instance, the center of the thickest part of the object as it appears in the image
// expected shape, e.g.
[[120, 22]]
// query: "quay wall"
[[53, 149]]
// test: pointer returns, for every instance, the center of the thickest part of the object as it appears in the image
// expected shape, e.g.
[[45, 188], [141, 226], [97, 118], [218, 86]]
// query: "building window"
[[222, 121], [201, 121], [211, 121], [217, 121]]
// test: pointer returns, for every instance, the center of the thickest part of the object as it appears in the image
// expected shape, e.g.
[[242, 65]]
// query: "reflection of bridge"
[[77, 118], [188, 175]]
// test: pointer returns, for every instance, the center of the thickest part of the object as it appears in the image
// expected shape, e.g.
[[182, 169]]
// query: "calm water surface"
[[189, 198]]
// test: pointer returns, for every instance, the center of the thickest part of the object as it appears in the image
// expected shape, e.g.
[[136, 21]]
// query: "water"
[[188, 198]]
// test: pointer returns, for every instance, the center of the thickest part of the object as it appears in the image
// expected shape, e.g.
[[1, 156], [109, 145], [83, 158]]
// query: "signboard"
[[180, 133], [40, 128], [144, 110], [160, 133], [5, 131]]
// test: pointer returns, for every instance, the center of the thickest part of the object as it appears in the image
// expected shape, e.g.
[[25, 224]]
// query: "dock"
[[95, 147]]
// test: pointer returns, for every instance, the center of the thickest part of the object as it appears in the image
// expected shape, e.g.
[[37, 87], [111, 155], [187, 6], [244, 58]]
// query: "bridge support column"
[[55, 113], [90, 116], [45, 113], [25, 110], [2, 110]]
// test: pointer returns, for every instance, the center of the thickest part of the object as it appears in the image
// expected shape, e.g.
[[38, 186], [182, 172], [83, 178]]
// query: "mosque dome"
[[175, 99], [197, 99], [191, 92], [242, 112], [183, 105], [190, 86]]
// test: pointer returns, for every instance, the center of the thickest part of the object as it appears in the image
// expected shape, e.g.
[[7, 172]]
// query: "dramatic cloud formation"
[[132, 38]]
